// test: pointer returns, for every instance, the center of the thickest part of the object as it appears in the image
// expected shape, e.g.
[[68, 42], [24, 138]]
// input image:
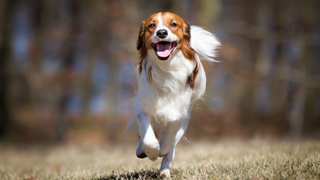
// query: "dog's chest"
[[166, 99]]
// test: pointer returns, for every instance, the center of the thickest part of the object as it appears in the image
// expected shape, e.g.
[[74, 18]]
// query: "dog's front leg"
[[140, 153], [149, 142]]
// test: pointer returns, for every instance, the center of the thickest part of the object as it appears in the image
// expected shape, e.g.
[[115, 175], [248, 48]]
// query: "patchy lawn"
[[225, 159]]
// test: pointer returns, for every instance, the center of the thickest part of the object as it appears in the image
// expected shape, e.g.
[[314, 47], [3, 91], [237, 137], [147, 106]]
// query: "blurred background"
[[67, 68]]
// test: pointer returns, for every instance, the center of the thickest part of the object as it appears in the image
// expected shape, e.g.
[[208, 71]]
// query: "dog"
[[171, 78]]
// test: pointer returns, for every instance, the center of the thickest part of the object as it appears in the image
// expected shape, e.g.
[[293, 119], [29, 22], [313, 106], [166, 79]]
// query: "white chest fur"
[[166, 97]]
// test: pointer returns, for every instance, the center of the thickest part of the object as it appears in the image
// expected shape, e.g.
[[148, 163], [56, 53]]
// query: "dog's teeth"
[[170, 45], [157, 47]]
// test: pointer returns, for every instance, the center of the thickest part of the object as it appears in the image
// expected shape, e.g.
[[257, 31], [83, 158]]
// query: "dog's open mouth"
[[164, 49]]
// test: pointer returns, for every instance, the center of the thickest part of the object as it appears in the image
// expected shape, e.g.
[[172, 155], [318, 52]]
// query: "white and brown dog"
[[171, 78]]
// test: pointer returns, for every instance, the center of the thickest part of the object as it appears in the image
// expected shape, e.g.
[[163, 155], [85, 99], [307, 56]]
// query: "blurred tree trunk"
[[295, 91], [263, 67], [311, 21], [113, 85], [6, 12], [94, 41], [41, 14], [66, 77], [252, 47]]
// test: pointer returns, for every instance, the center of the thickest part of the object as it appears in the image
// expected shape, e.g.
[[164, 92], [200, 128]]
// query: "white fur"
[[163, 105]]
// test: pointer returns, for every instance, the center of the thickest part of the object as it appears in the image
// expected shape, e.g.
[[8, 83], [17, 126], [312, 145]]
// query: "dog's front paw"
[[140, 153], [151, 148], [164, 173]]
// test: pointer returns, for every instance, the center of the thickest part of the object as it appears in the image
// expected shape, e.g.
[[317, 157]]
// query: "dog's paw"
[[151, 148], [164, 173], [140, 153]]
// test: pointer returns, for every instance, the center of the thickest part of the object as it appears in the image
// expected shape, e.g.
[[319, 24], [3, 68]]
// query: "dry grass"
[[228, 159]]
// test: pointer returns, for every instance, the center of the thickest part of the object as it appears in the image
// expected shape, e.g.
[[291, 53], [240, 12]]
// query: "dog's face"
[[164, 32]]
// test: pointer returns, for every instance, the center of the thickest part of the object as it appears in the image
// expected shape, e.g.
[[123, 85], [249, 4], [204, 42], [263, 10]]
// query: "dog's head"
[[164, 33]]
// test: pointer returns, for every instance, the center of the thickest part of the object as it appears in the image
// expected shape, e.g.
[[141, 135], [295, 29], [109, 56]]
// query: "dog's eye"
[[152, 25], [173, 24]]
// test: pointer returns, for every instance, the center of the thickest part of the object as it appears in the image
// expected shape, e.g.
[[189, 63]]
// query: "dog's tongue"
[[163, 49]]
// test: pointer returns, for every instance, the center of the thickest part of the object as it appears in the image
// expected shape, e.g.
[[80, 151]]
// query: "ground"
[[223, 159]]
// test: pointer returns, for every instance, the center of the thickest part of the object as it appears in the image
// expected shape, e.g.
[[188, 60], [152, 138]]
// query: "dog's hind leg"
[[168, 134], [167, 158], [149, 142]]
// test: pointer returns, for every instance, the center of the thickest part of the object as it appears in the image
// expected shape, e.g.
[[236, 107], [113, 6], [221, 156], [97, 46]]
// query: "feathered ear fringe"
[[141, 46], [140, 41], [187, 51], [204, 43]]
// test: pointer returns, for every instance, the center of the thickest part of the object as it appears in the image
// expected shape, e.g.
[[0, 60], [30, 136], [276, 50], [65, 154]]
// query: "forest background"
[[67, 68]]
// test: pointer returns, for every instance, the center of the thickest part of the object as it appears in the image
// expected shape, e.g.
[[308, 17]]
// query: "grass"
[[225, 159]]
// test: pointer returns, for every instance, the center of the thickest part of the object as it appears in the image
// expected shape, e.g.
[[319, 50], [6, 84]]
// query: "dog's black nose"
[[162, 33]]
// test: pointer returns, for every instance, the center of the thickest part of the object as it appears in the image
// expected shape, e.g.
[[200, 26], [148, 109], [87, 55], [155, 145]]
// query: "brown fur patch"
[[192, 77], [187, 51], [149, 74], [148, 71]]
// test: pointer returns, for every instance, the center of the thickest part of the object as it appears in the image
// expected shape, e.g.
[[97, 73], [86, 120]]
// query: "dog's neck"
[[170, 75], [175, 64]]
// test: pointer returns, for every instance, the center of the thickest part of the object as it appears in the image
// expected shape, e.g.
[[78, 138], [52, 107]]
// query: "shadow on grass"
[[134, 175]]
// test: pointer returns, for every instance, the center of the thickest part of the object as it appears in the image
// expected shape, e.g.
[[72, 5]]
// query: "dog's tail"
[[204, 43]]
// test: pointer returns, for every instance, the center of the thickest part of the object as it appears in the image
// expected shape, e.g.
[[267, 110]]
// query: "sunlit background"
[[67, 68]]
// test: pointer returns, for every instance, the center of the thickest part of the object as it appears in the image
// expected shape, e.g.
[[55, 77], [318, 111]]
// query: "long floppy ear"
[[188, 51], [140, 41], [186, 31]]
